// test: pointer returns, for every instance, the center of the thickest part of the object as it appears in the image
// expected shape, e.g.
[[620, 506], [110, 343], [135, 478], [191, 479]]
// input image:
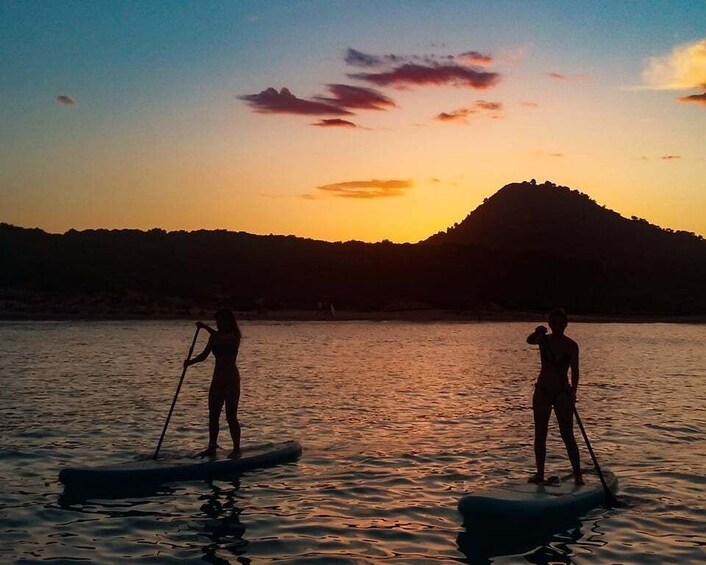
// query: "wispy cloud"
[[366, 189], [475, 58], [284, 102], [357, 58], [670, 157], [461, 114], [425, 75], [348, 96], [529, 104], [335, 123], [698, 98], [65, 100], [567, 77], [683, 68], [552, 154]]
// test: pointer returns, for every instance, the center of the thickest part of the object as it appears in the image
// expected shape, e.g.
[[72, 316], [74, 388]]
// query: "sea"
[[397, 421]]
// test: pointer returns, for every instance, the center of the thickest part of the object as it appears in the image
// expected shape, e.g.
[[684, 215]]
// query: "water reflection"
[[222, 526], [541, 545]]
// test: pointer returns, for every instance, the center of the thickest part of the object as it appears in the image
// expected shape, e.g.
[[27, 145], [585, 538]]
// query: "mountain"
[[555, 220], [528, 247]]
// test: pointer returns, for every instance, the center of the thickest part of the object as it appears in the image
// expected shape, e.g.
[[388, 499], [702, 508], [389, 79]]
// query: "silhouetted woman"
[[558, 353], [225, 385]]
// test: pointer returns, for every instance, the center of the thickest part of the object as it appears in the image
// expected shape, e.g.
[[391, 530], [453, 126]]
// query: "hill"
[[556, 220], [528, 247]]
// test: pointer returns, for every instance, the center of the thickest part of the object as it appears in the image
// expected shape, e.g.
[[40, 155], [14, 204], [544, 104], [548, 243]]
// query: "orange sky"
[[379, 135]]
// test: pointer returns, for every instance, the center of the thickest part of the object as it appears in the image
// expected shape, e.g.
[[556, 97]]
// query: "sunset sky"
[[345, 120]]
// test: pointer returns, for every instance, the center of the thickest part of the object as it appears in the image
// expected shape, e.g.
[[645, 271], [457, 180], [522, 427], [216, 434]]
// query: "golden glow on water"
[[398, 420]]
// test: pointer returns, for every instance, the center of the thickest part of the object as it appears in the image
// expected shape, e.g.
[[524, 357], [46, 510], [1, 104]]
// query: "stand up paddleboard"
[[525, 503], [181, 469]]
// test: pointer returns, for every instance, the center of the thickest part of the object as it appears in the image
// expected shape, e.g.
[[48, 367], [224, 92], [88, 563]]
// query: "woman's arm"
[[537, 335], [201, 356], [203, 326]]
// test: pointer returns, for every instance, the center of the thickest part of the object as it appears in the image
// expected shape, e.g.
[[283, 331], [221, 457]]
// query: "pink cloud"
[[475, 58], [334, 122], [347, 96], [423, 75], [284, 102], [461, 114]]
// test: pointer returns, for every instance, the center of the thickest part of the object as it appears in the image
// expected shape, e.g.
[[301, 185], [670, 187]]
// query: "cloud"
[[422, 75], [529, 104], [347, 96], [475, 58], [462, 114], [683, 68], [367, 189], [284, 102], [566, 77], [357, 58], [65, 100], [670, 157], [334, 123], [698, 98], [490, 106]]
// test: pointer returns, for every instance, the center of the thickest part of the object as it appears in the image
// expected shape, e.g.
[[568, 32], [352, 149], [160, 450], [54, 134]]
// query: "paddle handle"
[[176, 395]]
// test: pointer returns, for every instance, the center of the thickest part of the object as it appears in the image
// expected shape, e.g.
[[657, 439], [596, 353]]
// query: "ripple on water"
[[398, 421]]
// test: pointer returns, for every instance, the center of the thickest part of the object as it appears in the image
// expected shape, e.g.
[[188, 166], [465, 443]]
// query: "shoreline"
[[422, 316]]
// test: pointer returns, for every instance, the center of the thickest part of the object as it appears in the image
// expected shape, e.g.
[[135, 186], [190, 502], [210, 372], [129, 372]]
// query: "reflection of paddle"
[[610, 499], [181, 380]]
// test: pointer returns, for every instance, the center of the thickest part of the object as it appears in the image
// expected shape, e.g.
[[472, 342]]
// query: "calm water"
[[397, 420]]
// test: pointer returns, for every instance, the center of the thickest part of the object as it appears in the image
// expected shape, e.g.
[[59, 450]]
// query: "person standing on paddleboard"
[[558, 354], [224, 343]]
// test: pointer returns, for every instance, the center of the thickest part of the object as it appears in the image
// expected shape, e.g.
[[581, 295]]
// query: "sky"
[[345, 120]]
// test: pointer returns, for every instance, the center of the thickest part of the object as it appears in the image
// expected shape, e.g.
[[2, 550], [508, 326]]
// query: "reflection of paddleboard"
[[182, 469], [522, 502]]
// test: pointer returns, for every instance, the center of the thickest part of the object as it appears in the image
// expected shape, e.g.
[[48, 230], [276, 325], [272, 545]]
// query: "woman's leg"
[[232, 399], [564, 410], [216, 398], [542, 408]]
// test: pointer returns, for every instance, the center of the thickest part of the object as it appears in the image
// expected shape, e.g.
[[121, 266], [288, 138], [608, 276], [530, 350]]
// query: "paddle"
[[610, 499], [181, 380]]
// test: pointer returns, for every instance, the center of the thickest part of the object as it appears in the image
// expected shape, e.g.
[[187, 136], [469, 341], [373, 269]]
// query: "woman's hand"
[[200, 325], [540, 330]]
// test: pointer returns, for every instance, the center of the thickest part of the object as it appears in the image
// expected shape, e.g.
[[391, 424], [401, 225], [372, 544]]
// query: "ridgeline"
[[529, 247]]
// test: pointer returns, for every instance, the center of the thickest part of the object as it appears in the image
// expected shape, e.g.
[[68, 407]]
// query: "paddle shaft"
[[176, 395], [609, 497]]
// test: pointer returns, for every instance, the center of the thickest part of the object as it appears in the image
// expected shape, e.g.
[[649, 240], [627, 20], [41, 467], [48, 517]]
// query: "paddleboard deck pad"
[[182, 468], [522, 502]]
